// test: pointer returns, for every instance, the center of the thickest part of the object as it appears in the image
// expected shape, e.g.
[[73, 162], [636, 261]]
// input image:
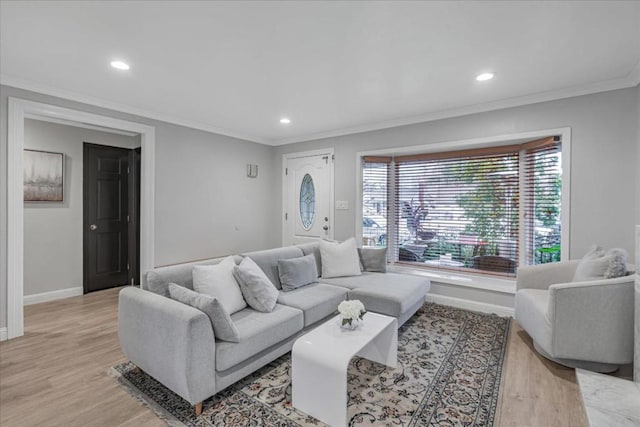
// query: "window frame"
[[471, 144]]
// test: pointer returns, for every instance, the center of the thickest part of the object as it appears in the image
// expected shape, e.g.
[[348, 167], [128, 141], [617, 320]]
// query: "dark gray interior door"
[[106, 210]]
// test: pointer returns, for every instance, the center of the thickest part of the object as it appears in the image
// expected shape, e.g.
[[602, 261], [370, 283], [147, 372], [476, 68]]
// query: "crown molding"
[[77, 124], [123, 108], [631, 80]]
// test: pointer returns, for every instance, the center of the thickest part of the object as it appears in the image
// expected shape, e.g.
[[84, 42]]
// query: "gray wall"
[[604, 160], [201, 191], [53, 231]]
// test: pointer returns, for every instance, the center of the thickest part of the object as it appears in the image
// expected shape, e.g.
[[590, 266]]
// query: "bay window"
[[480, 210]]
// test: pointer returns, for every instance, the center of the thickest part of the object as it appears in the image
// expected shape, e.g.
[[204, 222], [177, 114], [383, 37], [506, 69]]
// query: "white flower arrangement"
[[351, 310]]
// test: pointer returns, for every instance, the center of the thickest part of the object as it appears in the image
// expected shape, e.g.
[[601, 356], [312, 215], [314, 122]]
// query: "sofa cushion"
[[531, 312], [218, 281], [256, 287], [339, 259], [267, 260], [257, 331], [374, 279], [223, 327], [297, 272], [316, 301], [313, 248], [392, 299]]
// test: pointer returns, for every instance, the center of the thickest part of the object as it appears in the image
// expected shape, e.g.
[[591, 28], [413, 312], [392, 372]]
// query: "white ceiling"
[[333, 67]]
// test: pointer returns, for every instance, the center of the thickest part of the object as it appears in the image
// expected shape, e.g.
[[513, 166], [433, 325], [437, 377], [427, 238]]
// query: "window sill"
[[494, 284]]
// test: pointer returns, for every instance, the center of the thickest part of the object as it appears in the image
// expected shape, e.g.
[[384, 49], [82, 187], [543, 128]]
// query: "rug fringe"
[[137, 394]]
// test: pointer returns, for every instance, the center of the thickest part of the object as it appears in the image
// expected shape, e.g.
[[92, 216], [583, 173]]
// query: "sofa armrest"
[[542, 276], [593, 320], [171, 341]]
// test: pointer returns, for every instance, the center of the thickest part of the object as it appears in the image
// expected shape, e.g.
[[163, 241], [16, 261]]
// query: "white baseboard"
[[3, 334], [482, 307], [52, 296]]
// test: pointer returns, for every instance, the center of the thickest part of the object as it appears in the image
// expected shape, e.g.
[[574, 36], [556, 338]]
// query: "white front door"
[[308, 198]]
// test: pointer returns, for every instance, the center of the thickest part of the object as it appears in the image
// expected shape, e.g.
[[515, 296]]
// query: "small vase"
[[350, 326]]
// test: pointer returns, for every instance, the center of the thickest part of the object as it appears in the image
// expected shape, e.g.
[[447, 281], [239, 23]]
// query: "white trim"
[[3, 334], [302, 154], [466, 304], [102, 103], [78, 124], [18, 109], [52, 295], [631, 80], [565, 210], [465, 280]]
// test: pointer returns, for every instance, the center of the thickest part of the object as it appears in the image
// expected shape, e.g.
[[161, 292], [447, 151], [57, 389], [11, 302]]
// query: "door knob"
[[325, 228], [93, 227]]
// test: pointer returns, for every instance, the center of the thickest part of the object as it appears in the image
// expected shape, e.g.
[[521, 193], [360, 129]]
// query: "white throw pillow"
[[339, 259], [597, 265], [218, 281]]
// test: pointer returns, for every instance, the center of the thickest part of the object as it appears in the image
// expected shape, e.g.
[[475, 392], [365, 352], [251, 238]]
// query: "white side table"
[[320, 360]]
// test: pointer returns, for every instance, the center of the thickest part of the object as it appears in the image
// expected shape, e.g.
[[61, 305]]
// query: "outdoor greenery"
[[491, 201]]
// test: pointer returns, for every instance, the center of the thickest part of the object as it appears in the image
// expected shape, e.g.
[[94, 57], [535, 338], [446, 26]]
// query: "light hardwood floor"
[[56, 375]]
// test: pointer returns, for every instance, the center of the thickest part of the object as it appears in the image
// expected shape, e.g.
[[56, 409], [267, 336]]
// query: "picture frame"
[[43, 173]]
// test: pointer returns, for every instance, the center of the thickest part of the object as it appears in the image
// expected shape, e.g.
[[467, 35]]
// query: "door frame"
[[302, 154], [17, 111]]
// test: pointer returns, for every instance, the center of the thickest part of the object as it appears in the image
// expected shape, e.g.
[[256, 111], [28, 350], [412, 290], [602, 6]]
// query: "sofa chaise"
[[175, 343]]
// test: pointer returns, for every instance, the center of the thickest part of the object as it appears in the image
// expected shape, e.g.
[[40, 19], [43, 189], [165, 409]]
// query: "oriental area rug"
[[449, 371]]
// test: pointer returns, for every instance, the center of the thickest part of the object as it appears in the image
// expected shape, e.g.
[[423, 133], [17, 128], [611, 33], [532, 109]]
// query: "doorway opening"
[[18, 111]]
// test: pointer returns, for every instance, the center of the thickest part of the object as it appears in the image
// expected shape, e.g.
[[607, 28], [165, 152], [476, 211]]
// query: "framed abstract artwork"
[[43, 176]]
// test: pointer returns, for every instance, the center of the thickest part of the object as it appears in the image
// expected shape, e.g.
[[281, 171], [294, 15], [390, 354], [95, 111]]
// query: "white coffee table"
[[320, 359]]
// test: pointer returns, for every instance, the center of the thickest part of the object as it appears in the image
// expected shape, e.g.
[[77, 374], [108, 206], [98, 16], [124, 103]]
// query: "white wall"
[[638, 158], [603, 162], [205, 206], [53, 231]]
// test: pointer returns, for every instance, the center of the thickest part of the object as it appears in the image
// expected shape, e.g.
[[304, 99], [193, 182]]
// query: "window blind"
[[542, 202], [375, 196], [456, 212]]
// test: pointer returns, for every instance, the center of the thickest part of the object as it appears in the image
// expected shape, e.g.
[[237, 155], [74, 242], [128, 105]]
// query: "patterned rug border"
[[143, 399], [442, 310]]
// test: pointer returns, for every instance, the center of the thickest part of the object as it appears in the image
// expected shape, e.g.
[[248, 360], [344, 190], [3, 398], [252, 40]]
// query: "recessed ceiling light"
[[285, 121], [484, 77], [120, 65]]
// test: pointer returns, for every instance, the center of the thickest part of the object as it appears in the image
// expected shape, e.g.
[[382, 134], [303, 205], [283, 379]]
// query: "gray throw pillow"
[[617, 263], [297, 272], [223, 326], [373, 259], [256, 287]]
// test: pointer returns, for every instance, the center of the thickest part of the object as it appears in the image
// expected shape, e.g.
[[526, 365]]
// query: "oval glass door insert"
[[307, 202]]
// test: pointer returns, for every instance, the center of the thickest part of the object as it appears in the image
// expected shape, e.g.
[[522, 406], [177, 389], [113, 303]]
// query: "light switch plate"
[[342, 205]]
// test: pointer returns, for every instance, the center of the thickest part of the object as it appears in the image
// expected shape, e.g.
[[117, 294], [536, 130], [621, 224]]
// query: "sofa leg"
[[198, 408]]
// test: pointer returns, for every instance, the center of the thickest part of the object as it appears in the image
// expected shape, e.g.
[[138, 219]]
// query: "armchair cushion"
[[531, 313]]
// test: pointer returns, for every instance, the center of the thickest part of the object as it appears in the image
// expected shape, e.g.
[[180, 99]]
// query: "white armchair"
[[577, 324]]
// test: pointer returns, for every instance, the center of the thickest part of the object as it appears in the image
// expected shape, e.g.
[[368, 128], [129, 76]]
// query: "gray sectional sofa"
[[175, 343]]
